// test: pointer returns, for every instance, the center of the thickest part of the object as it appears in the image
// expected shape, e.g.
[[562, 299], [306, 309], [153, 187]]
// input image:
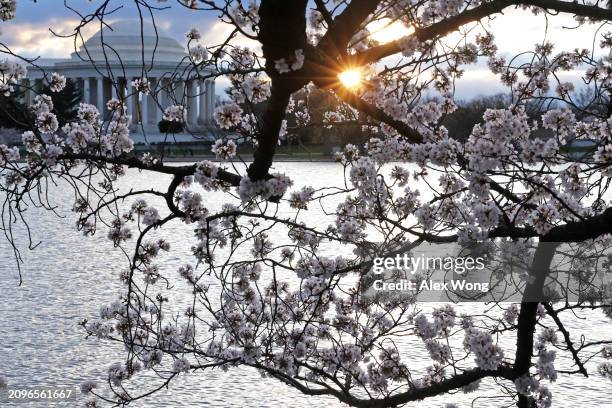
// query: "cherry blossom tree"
[[286, 307]]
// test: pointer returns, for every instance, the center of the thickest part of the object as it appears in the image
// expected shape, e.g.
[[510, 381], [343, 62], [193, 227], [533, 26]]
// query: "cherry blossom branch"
[[451, 24], [344, 26], [457, 381], [577, 231], [373, 111], [324, 12], [568, 341], [134, 162], [527, 316]]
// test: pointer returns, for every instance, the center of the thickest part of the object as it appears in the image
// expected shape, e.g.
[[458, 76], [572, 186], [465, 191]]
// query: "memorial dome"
[[123, 40]]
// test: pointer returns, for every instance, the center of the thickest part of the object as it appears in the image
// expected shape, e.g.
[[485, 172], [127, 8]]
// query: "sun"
[[351, 78]]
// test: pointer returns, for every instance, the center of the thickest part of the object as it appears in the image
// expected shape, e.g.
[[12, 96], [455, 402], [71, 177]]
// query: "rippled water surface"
[[67, 278]]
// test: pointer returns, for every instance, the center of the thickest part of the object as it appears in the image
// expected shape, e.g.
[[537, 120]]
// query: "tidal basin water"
[[68, 277]]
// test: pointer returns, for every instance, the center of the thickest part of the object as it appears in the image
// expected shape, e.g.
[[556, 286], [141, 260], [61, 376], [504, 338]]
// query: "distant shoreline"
[[249, 158]]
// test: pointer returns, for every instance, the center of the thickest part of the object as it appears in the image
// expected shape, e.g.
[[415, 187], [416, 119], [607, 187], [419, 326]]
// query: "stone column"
[[192, 116], [100, 94], [159, 94], [86, 91], [211, 99], [163, 96], [121, 90], [114, 87], [171, 93], [129, 98], [202, 97], [144, 109], [135, 98], [208, 104]]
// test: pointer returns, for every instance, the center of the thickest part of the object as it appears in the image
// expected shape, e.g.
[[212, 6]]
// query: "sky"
[[28, 34]]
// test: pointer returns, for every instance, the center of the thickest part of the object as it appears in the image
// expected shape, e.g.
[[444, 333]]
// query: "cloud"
[[518, 30], [36, 39], [217, 32], [515, 31]]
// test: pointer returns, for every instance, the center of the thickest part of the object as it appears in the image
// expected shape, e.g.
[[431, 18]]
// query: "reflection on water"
[[67, 278]]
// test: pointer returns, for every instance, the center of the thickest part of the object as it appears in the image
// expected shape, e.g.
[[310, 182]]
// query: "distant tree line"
[[16, 117], [459, 123]]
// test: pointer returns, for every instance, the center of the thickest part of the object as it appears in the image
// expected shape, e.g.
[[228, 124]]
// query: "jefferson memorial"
[[106, 64]]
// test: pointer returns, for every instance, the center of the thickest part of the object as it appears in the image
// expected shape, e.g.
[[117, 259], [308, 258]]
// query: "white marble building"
[[107, 63]]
